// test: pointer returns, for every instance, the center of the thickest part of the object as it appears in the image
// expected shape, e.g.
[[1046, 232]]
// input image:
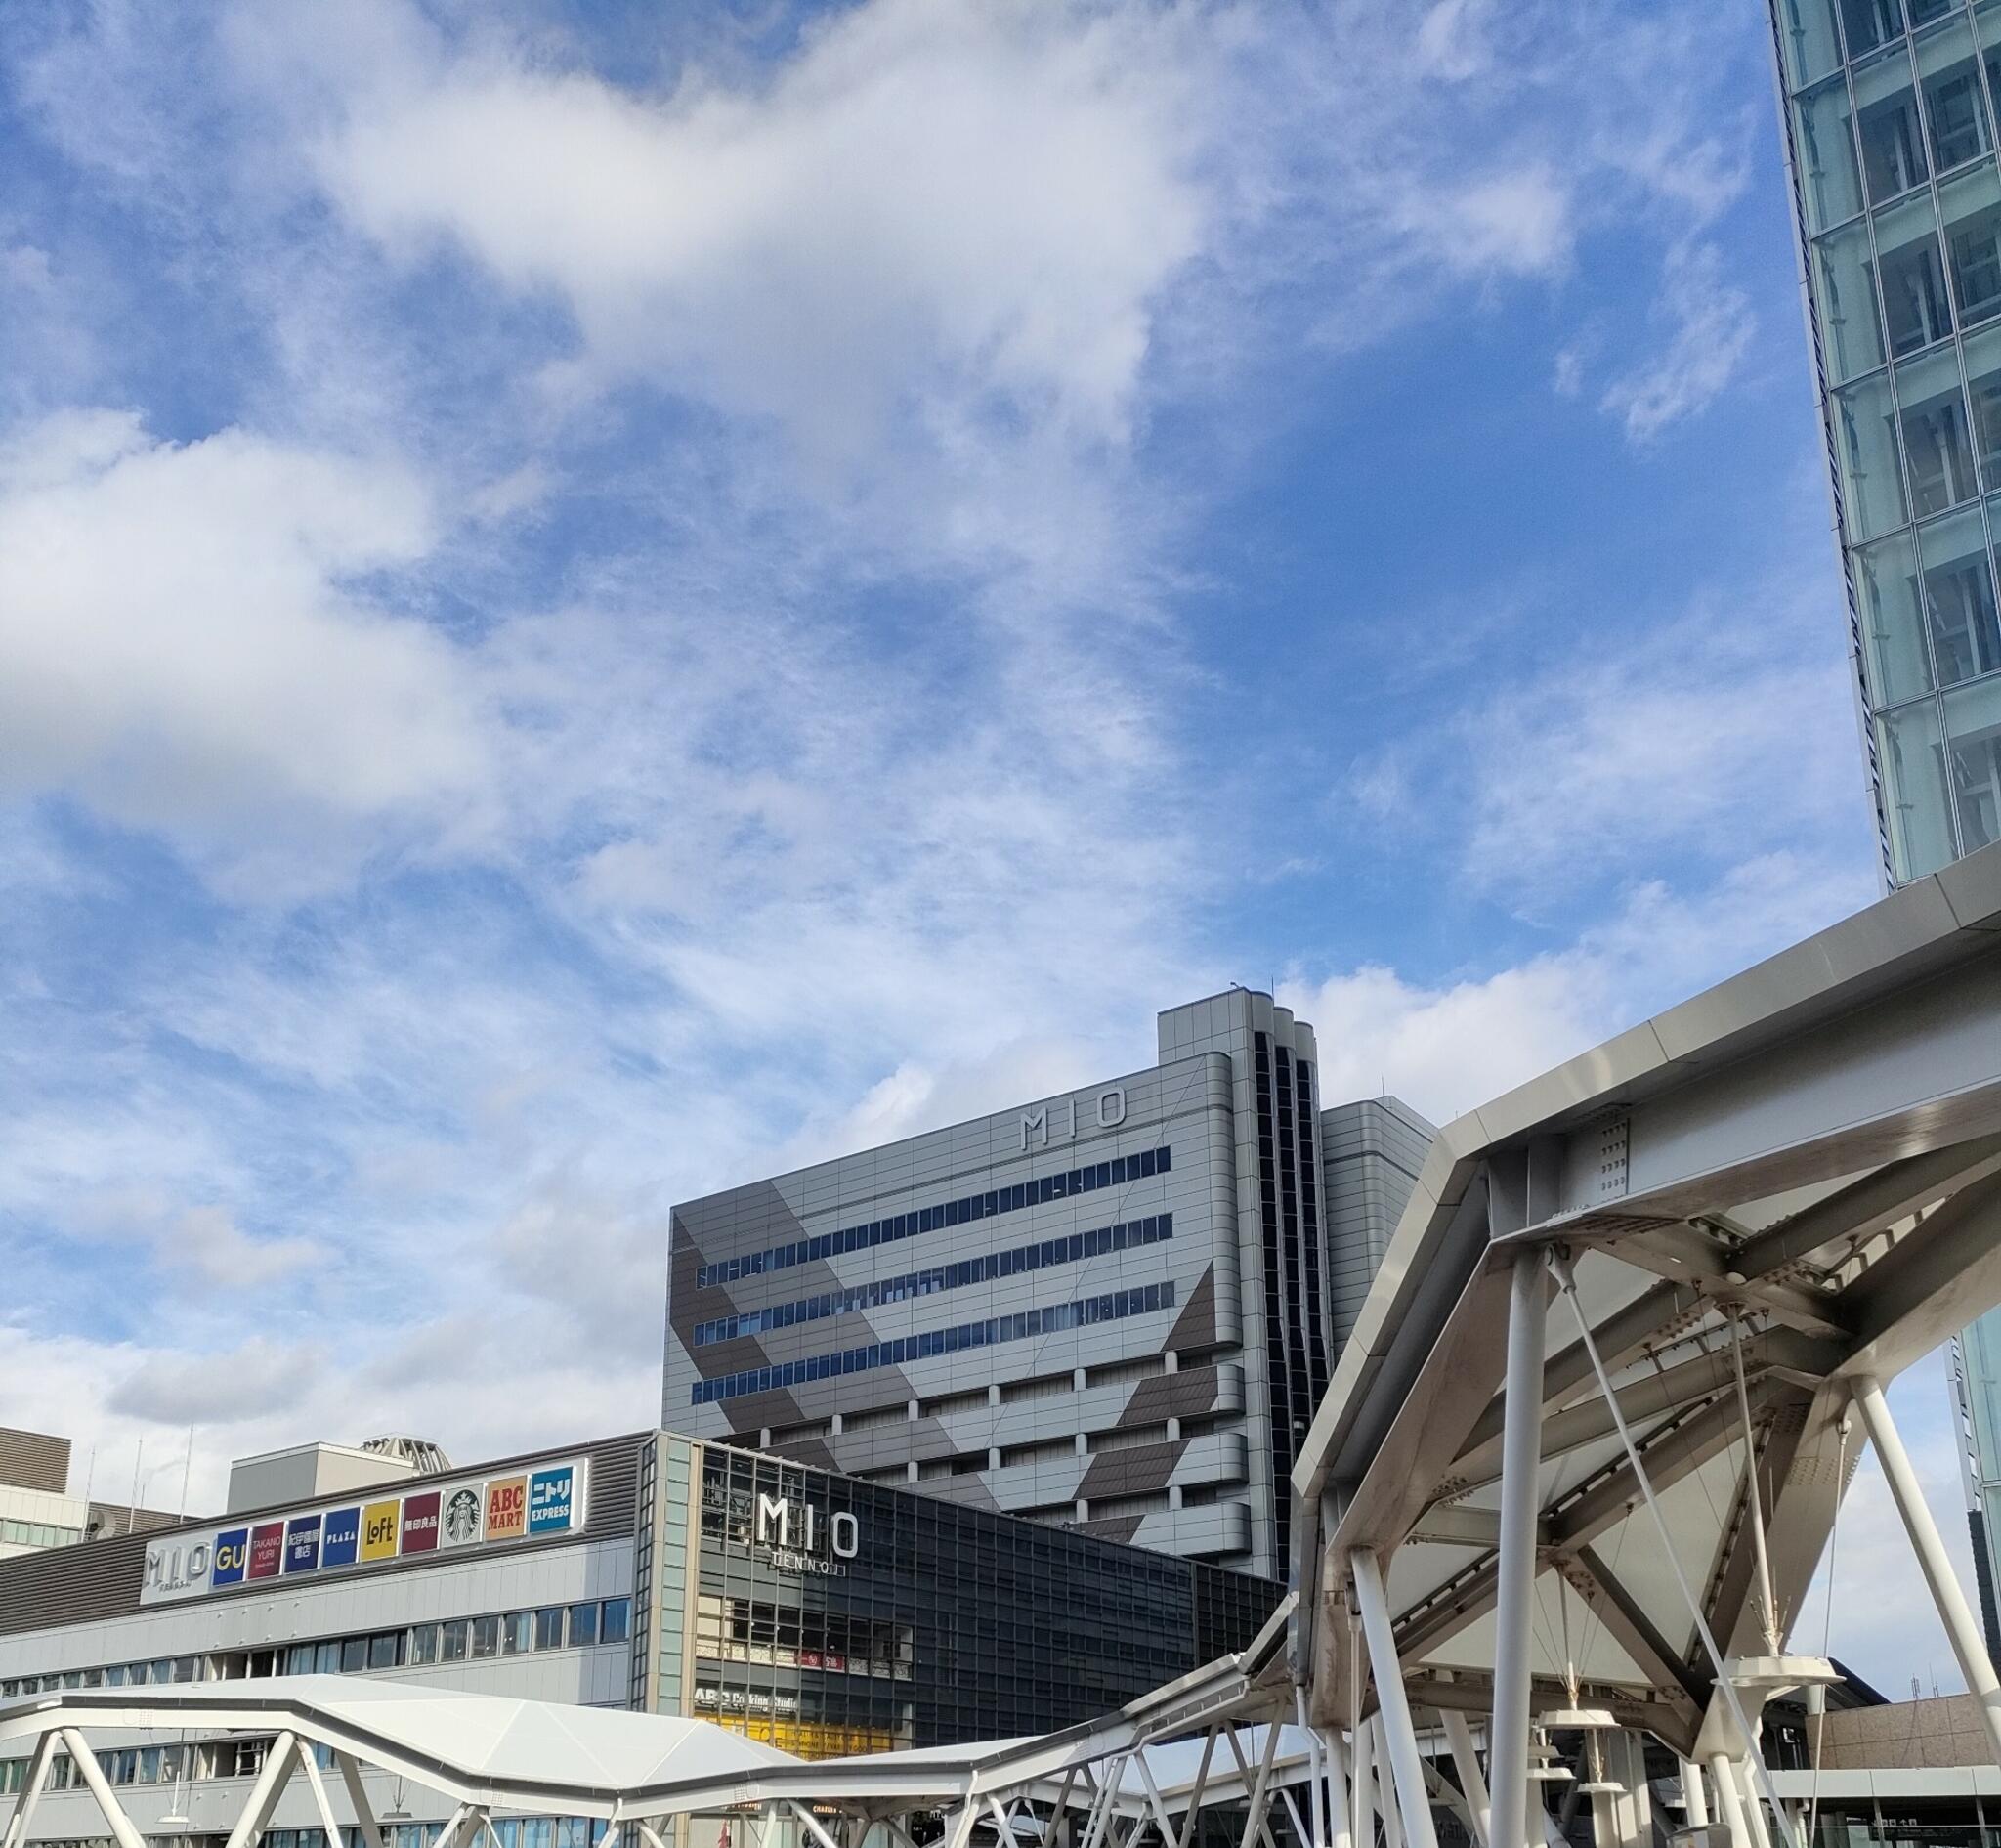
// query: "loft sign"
[[1103, 1109], [797, 1537]]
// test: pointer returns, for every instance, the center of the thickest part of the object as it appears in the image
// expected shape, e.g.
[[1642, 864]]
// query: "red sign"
[[420, 1523], [267, 1550]]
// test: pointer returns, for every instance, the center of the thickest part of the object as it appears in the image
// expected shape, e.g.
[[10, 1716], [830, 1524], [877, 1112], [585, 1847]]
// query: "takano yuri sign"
[[359, 1533]]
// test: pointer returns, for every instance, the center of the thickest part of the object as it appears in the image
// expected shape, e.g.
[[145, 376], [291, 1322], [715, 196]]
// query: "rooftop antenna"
[[186, 1469], [131, 1507]]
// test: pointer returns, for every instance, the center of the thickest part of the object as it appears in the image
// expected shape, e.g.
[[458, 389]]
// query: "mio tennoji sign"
[[359, 1533]]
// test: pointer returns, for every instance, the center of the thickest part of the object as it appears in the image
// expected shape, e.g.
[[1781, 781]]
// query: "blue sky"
[[592, 606]]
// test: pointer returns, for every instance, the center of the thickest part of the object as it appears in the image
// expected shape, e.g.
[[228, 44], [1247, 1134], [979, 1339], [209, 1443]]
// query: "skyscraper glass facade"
[[1889, 117]]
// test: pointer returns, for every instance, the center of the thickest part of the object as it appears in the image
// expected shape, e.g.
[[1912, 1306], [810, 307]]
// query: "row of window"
[[1889, 287], [1816, 35], [1058, 1316], [1907, 126], [1928, 608], [931, 1219], [953, 1276], [37, 1533], [1942, 772], [453, 1640]]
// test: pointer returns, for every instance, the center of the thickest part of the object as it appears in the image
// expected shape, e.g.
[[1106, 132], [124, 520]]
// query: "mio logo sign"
[[1100, 1109], [803, 1539]]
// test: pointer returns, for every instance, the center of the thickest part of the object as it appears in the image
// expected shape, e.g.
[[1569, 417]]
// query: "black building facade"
[[830, 1615]]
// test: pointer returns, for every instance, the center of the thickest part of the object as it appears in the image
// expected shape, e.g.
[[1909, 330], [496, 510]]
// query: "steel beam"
[[33, 1782], [1400, 1733], [1459, 1735], [1515, 1571], [358, 1799], [1868, 1206], [271, 1778], [1962, 1630], [93, 1775]]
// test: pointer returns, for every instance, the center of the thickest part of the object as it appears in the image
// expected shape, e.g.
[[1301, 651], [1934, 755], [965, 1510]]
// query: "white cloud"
[[209, 1242], [184, 645], [255, 1380], [927, 200], [1718, 732], [1446, 1047], [1519, 222], [1712, 327]]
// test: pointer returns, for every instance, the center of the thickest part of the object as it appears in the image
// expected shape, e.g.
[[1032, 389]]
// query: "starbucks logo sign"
[[462, 1517]]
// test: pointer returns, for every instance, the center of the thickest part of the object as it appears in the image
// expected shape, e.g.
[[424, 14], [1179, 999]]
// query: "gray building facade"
[[1111, 1309]]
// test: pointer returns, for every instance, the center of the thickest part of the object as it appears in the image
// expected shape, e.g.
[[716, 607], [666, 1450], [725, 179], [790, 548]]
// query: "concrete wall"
[[1906, 1735]]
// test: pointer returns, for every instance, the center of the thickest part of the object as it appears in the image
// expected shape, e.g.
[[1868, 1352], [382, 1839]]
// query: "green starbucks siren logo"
[[462, 1517]]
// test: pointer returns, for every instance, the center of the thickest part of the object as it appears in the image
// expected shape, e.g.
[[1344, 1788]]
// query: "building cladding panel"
[[1373, 1151], [30, 1459], [1113, 1309]]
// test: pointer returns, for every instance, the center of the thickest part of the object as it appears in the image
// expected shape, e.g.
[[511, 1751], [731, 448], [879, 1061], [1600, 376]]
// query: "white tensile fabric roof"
[[487, 1744]]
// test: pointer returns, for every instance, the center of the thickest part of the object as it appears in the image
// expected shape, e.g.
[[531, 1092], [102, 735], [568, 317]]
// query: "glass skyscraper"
[[1889, 117], [1890, 125]]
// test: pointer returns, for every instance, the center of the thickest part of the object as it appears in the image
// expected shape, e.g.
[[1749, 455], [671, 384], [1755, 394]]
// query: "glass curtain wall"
[[1890, 119]]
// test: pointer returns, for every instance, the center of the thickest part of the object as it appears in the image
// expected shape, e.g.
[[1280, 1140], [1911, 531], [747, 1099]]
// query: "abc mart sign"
[[359, 1533]]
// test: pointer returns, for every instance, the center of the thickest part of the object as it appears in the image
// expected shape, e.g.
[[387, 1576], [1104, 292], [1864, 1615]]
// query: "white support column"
[[1459, 1734], [310, 1765], [1386, 1805], [1192, 1816], [1400, 1733], [1365, 1785], [1169, 1833], [1961, 1629], [1694, 1799], [265, 1793], [1732, 1804], [1605, 1825], [39, 1761], [1521, 1457], [1316, 1772], [1253, 1823], [1340, 1831], [92, 1774], [1754, 1810], [1301, 1832], [1106, 1801], [358, 1799], [819, 1834]]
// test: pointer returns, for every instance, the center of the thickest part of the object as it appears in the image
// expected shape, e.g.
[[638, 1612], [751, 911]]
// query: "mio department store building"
[[656, 1571]]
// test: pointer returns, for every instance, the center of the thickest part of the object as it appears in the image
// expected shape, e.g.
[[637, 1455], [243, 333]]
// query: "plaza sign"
[[526, 1505]]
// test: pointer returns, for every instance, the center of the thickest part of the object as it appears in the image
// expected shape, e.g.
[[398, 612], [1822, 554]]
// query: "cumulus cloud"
[[208, 1242], [252, 1381], [1447, 1046], [185, 642], [926, 198]]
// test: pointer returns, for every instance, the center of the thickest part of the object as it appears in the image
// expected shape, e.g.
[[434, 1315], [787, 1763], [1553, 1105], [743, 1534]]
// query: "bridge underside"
[[1754, 1206]]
